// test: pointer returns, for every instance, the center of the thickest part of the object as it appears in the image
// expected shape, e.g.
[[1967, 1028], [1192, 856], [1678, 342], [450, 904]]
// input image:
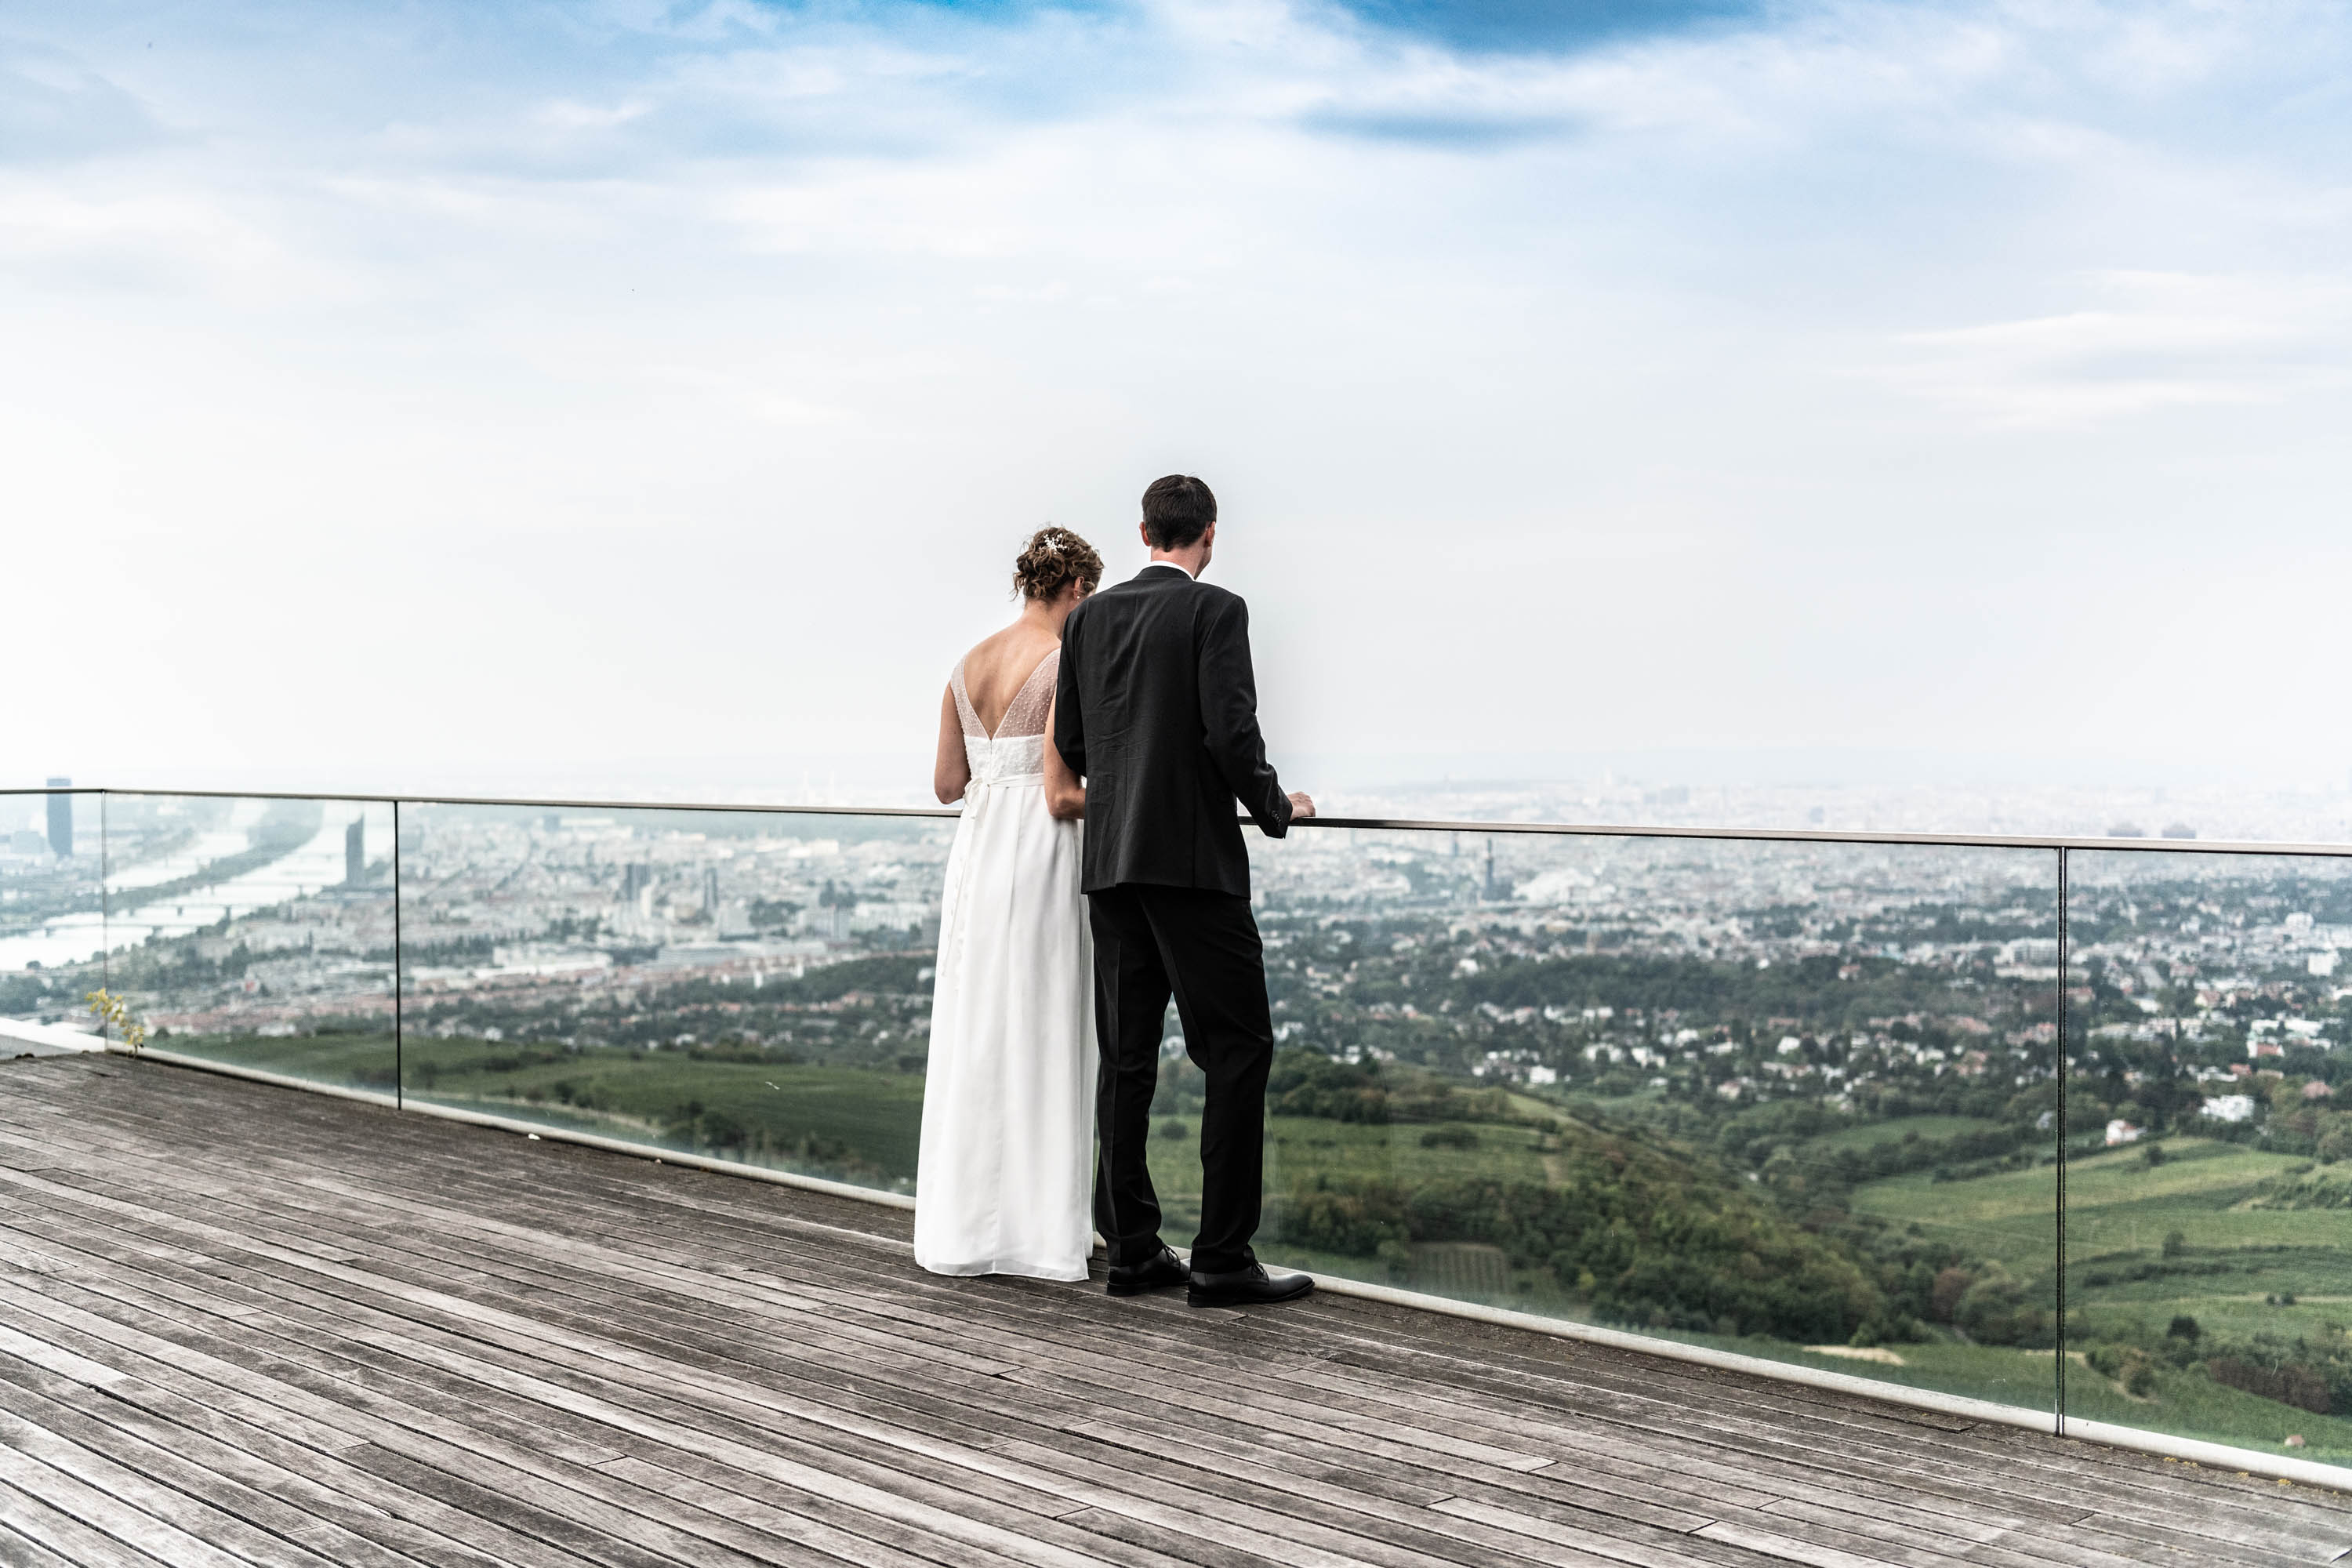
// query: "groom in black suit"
[[1158, 711]]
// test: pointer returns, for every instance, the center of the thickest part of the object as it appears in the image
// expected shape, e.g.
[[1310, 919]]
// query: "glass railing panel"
[[2208, 1195], [1791, 1101], [752, 986], [256, 932], [52, 913]]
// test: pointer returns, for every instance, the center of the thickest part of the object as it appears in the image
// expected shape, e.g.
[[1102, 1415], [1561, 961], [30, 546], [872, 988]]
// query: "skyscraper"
[[61, 819], [356, 852], [637, 890]]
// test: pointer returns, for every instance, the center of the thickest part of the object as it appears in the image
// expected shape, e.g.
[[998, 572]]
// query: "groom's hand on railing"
[[1301, 805]]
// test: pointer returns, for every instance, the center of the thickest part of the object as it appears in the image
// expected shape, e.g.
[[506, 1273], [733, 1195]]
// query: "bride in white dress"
[[1003, 1180]]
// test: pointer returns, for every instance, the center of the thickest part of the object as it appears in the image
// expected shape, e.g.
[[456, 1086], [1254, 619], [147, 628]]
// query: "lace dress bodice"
[[1017, 749]]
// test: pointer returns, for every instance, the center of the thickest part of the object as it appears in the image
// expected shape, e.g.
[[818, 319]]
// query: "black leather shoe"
[[1158, 1272], [1251, 1287]]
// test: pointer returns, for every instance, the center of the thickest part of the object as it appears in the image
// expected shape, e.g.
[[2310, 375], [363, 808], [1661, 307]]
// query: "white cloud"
[[506, 385], [2161, 340]]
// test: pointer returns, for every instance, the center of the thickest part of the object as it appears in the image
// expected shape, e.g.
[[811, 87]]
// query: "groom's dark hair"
[[1177, 511]]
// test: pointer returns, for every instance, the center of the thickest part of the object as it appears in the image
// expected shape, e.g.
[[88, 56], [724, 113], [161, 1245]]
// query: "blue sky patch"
[[1544, 26], [1459, 133]]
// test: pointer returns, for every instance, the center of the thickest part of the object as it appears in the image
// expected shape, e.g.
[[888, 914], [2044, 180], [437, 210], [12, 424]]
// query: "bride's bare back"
[[1056, 570], [998, 666]]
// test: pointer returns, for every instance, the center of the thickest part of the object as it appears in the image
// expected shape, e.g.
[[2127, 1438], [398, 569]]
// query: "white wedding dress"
[[1003, 1181]]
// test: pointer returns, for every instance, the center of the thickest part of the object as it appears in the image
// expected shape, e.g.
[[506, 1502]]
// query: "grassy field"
[[2117, 1199], [2228, 1265], [2191, 1405], [2011, 1217], [345, 1061], [1298, 1149], [1870, 1134], [852, 1124], [2115, 1204]]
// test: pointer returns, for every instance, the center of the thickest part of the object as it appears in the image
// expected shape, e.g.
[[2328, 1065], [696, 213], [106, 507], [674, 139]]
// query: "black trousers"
[[1203, 948]]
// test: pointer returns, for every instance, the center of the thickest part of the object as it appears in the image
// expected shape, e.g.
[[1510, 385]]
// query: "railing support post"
[[105, 912], [399, 974], [2066, 1087]]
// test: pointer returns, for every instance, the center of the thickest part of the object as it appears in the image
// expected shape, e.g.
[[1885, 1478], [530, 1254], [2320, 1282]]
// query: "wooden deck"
[[247, 1325]]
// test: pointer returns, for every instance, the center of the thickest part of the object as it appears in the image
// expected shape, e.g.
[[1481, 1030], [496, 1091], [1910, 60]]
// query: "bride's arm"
[[951, 770], [1066, 798]]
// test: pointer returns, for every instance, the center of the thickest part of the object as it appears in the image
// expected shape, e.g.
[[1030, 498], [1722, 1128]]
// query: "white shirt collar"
[[1172, 565]]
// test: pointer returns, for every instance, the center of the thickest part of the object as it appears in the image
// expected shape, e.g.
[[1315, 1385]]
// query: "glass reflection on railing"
[[2209, 1130], [753, 986], [52, 905], [256, 932], [1793, 1100]]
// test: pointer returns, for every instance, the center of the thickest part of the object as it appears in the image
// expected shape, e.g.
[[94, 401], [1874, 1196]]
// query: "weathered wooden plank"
[[655, 1325], [510, 1378], [167, 1446], [1694, 1520], [107, 1514], [1787, 1548], [52, 1535], [1293, 1531], [594, 1498], [242, 1424], [541, 1416], [466, 1478], [23, 1551], [1685, 1521], [223, 1516], [2076, 1545]]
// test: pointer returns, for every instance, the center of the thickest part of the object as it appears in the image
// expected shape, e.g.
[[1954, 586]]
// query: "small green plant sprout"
[[114, 1013]]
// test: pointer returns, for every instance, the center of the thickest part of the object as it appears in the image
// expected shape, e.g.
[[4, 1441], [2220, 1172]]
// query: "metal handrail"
[[1377, 823]]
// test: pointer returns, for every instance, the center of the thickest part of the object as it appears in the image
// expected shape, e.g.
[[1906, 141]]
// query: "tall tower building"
[[356, 852], [61, 819], [637, 889]]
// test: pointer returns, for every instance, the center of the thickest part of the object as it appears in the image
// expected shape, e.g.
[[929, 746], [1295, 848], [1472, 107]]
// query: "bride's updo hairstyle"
[[1053, 560]]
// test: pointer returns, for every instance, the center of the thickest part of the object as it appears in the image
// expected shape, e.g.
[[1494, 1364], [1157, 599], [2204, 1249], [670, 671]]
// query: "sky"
[[614, 398]]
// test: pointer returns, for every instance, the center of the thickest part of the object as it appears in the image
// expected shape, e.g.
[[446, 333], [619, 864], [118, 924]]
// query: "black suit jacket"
[[1156, 709]]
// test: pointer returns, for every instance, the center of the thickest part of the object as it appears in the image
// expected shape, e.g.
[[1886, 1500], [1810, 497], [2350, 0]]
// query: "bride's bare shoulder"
[[1016, 645]]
